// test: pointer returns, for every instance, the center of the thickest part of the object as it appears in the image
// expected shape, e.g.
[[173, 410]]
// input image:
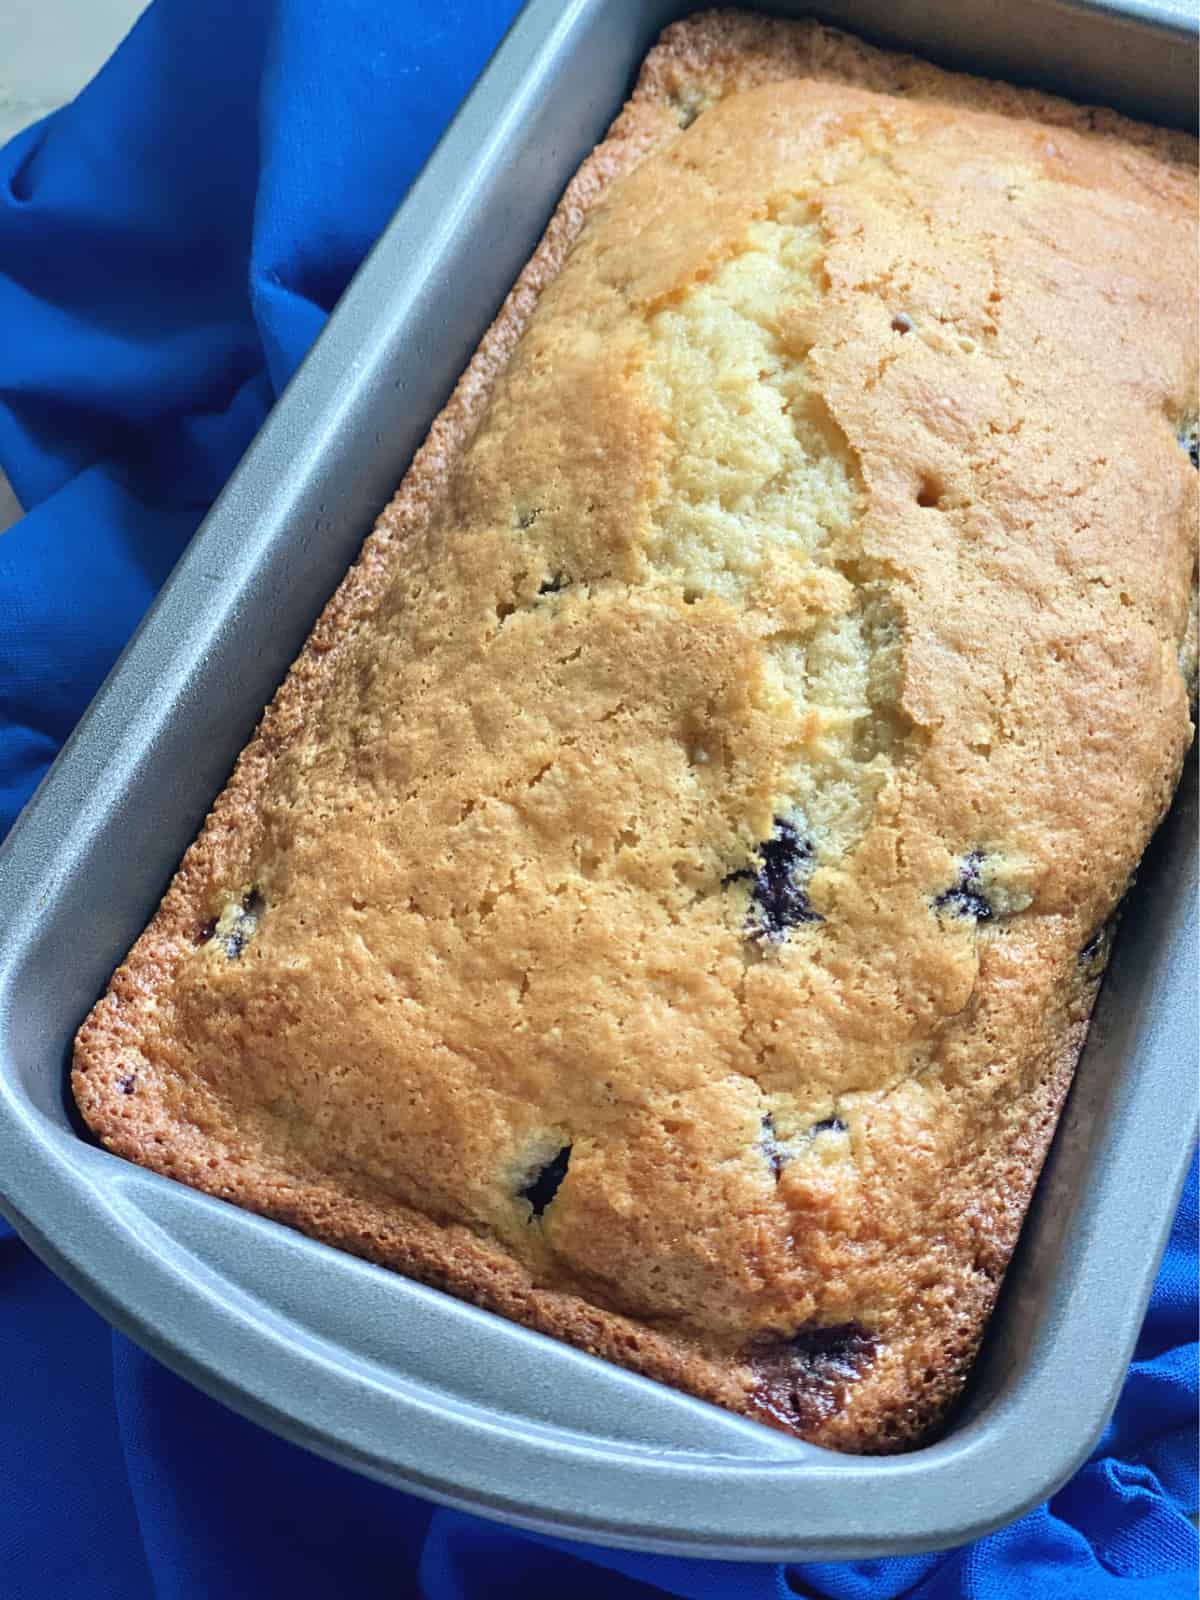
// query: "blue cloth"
[[169, 246]]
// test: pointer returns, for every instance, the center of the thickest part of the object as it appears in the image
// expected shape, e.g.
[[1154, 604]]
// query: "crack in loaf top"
[[675, 891]]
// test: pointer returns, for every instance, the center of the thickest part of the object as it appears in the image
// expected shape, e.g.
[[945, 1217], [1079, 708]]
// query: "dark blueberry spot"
[[544, 1183], [773, 1152], [777, 1155], [1189, 437], [526, 519], [841, 1347], [1094, 954], [127, 1083], [803, 1380], [966, 898], [242, 931], [902, 322], [778, 900], [554, 585], [205, 931]]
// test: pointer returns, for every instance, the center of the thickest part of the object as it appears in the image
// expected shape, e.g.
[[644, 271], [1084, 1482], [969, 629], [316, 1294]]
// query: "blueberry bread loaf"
[[664, 902]]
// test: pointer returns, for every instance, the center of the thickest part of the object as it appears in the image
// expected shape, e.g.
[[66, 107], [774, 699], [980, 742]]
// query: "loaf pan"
[[367, 1368]]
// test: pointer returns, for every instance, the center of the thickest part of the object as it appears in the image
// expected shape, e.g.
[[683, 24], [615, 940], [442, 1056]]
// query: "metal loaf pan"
[[365, 1367]]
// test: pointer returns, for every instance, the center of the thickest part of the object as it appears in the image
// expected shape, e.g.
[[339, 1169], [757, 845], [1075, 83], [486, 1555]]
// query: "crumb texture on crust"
[[662, 902]]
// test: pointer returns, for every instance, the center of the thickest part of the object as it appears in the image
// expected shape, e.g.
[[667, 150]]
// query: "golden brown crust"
[[725, 746]]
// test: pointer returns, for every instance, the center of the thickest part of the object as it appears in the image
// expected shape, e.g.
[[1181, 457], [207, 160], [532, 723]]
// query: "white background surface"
[[48, 51]]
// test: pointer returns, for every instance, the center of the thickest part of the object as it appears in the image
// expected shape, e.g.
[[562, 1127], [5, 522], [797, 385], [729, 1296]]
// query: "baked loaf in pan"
[[664, 902]]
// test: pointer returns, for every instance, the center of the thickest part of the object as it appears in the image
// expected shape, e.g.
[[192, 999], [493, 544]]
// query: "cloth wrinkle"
[[125, 1439]]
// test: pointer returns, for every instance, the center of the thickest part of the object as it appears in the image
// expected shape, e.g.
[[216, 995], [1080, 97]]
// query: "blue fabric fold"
[[170, 245]]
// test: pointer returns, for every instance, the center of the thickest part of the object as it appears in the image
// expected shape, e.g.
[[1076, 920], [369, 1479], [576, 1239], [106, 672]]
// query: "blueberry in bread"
[[664, 902]]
